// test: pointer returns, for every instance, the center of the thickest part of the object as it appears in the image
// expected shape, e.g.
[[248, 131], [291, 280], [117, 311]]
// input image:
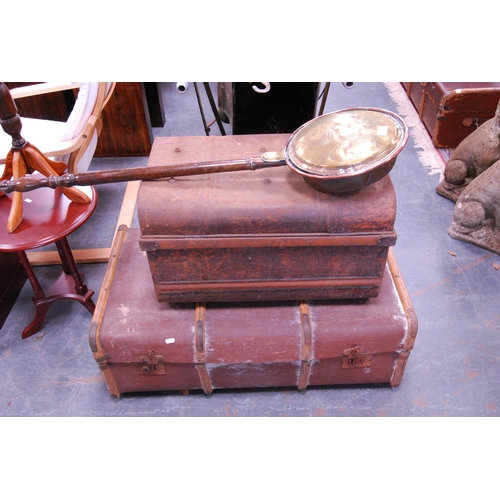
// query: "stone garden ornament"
[[472, 181]]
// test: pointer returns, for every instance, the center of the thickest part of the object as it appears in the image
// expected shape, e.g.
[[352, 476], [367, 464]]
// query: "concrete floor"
[[454, 369]]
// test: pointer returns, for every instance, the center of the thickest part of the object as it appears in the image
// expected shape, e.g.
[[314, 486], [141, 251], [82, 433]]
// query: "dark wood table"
[[49, 217]]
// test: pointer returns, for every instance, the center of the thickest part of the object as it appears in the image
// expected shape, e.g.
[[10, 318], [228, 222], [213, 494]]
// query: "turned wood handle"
[[133, 174], [9, 118]]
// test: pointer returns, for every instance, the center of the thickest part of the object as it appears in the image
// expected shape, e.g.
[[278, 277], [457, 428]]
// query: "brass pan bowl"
[[346, 150]]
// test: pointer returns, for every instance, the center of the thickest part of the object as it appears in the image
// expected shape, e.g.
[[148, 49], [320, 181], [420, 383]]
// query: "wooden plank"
[[128, 204], [42, 88], [93, 255]]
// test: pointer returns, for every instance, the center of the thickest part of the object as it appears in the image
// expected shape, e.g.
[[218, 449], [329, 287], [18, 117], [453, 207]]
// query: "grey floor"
[[454, 369]]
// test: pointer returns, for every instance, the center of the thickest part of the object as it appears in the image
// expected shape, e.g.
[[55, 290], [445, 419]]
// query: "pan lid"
[[346, 142]]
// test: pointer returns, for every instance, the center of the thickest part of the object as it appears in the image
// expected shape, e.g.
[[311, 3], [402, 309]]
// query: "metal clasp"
[[354, 358], [154, 363]]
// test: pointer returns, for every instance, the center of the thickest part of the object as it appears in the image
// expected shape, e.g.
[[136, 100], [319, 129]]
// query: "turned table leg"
[[69, 285], [42, 306], [69, 267]]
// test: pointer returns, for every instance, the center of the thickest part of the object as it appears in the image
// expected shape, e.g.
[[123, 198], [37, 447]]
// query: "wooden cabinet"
[[126, 123]]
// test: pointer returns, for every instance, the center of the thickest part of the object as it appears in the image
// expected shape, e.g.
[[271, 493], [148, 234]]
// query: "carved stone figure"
[[476, 218], [473, 156]]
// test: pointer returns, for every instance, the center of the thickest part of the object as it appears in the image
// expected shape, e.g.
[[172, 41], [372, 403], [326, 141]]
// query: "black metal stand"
[[211, 100]]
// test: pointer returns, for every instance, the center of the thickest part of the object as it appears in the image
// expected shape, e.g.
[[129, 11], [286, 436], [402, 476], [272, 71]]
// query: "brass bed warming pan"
[[337, 152]]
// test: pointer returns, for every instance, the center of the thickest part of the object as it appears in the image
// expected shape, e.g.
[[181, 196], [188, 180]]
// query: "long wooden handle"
[[28, 183]]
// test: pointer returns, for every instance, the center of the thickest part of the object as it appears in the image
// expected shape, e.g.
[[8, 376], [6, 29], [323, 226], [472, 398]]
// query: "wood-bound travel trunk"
[[141, 344], [259, 235], [453, 110]]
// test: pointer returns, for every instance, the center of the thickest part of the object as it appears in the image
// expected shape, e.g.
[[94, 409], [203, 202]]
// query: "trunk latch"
[[354, 358], [154, 364]]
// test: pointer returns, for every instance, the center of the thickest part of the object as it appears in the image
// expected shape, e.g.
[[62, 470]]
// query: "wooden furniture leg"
[[69, 285], [70, 269], [42, 306]]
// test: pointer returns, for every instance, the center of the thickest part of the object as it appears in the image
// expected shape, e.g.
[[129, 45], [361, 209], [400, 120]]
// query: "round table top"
[[48, 216]]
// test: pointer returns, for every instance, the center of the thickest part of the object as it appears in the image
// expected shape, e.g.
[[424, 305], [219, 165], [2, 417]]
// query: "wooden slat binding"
[[412, 323], [306, 334], [199, 348]]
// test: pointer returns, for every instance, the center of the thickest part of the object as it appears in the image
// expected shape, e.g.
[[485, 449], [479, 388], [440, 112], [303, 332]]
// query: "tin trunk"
[[259, 235]]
